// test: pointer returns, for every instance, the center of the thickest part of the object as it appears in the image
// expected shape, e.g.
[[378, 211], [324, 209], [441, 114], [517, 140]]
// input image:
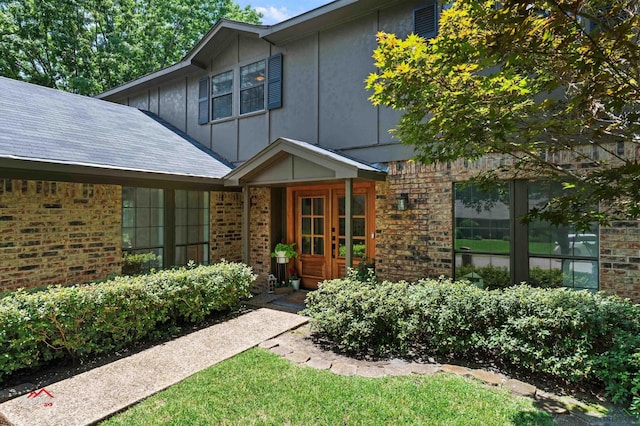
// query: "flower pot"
[[281, 257], [296, 284]]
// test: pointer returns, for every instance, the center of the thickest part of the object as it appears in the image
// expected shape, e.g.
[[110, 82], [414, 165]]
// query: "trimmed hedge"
[[73, 322], [573, 335]]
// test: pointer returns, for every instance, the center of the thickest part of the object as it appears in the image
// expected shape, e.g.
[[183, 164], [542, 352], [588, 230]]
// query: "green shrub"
[[76, 321], [573, 335]]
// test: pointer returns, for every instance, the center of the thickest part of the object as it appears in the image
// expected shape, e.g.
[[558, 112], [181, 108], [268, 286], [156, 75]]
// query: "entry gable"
[[287, 161]]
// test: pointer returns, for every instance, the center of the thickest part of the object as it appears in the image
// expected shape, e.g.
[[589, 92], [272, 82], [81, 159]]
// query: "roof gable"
[[288, 161]]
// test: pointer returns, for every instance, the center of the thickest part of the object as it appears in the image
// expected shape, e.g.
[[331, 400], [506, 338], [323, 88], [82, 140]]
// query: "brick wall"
[[260, 244], [418, 242], [57, 233], [620, 259], [226, 226]]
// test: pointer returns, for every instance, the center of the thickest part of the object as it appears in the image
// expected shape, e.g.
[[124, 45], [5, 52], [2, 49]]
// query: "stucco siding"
[[172, 103], [347, 118], [298, 117]]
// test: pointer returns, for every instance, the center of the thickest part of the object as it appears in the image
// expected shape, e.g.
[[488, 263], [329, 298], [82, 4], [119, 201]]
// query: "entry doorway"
[[317, 222]]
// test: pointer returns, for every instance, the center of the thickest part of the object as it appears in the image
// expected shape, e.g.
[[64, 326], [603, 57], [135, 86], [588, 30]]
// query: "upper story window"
[[260, 87], [222, 95], [252, 79], [425, 20]]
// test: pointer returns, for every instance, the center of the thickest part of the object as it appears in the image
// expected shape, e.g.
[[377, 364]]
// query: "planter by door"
[[296, 284], [281, 257]]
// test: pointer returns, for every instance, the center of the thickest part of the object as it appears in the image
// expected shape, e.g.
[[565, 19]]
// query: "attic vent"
[[425, 20]]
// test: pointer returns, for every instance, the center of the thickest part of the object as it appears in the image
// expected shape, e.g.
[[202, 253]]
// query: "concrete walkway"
[[103, 391]]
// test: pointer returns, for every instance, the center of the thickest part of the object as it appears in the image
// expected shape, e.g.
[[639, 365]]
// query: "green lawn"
[[257, 387]]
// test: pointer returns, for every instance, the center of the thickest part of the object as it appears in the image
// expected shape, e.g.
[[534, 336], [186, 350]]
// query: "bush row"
[[73, 322], [573, 335]]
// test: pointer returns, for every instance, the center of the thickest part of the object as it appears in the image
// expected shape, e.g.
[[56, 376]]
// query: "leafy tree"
[[88, 46], [545, 84]]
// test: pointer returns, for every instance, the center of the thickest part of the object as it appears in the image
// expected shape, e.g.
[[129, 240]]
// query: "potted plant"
[[294, 278], [283, 252]]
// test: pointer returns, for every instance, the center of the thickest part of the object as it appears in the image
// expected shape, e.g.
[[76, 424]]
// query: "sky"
[[275, 11]]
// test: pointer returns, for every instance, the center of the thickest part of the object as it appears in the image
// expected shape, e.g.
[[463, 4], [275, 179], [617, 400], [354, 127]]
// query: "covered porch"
[[320, 200]]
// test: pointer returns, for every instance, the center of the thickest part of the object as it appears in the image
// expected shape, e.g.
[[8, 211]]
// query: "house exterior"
[[311, 161]]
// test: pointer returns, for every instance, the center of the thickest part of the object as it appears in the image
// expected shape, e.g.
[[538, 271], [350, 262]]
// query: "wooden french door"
[[317, 222]]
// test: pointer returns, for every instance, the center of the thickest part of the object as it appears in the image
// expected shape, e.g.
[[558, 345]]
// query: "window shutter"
[[425, 20], [274, 82], [203, 100]]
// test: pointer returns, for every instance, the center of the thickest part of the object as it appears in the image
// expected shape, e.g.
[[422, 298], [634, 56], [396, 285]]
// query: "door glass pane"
[[359, 248], [318, 206], [341, 208], [358, 205], [306, 245], [306, 206], [318, 245], [306, 225], [318, 225], [358, 227]]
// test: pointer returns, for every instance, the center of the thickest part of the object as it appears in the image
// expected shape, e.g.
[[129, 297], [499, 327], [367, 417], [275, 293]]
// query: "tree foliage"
[[88, 46], [551, 85]]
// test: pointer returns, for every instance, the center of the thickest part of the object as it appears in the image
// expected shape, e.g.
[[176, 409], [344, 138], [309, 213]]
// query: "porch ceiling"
[[287, 161]]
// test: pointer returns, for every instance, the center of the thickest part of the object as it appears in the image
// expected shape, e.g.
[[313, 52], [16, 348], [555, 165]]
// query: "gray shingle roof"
[[50, 126]]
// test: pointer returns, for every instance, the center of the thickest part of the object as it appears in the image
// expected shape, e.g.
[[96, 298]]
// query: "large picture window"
[[222, 95], [252, 80], [192, 227], [143, 222], [486, 246]]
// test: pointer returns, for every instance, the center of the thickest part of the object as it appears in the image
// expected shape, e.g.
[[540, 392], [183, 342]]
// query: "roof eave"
[[71, 170]]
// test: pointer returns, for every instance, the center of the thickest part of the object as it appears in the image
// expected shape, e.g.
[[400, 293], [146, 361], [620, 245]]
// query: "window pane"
[[577, 274], [157, 199], [156, 217], [142, 197], [181, 234], [252, 75], [181, 199], [482, 219], [128, 217], [142, 217], [483, 270], [222, 107], [252, 100], [318, 226], [156, 236], [222, 83]]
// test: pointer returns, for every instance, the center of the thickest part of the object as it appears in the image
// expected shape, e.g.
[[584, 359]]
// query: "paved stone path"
[[103, 391]]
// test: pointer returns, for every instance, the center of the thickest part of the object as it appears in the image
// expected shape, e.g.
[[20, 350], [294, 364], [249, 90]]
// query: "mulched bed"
[[21, 382]]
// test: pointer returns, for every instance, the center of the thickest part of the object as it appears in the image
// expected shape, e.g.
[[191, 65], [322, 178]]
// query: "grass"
[[257, 387]]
